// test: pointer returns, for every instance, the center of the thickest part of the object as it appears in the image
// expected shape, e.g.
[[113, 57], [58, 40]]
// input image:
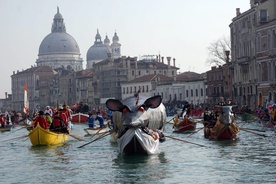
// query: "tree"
[[217, 50]]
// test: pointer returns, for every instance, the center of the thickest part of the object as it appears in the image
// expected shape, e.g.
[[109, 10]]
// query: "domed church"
[[100, 51], [59, 49]]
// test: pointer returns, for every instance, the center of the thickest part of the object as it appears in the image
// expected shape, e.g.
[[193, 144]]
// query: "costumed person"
[[49, 111], [63, 114], [40, 119], [100, 118], [48, 118], [2, 120], [90, 120], [186, 110], [221, 101], [58, 124], [272, 112]]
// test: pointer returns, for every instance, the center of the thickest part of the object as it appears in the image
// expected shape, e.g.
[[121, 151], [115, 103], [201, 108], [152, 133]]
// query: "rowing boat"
[[79, 118], [183, 125], [221, 131], [93, 131], [39, 136], [6, 128]]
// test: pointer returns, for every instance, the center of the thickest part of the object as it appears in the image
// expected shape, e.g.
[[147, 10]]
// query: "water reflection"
[[140, 168]]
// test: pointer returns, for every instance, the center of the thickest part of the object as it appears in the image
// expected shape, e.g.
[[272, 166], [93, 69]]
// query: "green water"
[[249, 159]]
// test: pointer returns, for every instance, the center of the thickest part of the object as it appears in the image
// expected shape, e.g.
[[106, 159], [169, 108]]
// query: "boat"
[[221, 131], [39, 136], [183, 125], [6, 128], [97, 130], [267, 123], [79, 118], [247, 117], [137, 141]]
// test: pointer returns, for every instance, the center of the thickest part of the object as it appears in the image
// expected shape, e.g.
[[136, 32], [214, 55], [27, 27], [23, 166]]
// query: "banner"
[[26, 102]]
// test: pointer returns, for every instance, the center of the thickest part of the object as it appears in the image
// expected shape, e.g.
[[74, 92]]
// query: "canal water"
[[249, 159]]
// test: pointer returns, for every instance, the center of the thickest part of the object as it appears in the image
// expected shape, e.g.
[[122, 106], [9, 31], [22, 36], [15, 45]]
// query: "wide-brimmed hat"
[[40, 113]]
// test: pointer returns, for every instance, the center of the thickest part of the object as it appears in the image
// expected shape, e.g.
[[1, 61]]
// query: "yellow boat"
[[39, 136]]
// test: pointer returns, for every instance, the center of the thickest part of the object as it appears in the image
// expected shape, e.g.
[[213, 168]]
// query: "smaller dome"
[[58, 15], [106, 40], [97, 52], [115, 38]]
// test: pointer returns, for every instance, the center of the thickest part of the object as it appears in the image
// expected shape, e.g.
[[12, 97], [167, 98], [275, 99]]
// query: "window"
[[192, 93], [187, 93], [263, 16]]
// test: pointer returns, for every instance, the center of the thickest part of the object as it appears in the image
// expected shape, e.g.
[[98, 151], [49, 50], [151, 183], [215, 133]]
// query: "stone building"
[[252, 45], [111, 73]]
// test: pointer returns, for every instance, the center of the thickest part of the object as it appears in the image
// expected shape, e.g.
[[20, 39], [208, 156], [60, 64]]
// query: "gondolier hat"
[[40, 113]]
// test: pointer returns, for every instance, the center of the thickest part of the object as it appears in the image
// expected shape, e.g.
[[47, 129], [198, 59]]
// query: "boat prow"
[[136, 141], [39, 136]]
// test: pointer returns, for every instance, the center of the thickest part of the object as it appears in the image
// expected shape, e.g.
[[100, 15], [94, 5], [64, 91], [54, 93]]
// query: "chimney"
[[174, 62], [169, 62], [227, 53], [162, 59], [238, 11], [6, 94]]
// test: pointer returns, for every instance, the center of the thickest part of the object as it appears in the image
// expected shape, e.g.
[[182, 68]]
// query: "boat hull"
[[41, 137], [79, 118], [221, 131], [184, 125], [93, 131], [6, 128], [135, 141], [267, 124]]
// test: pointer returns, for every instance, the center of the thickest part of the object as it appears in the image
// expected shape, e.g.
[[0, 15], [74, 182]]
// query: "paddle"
[[76, 137], [96, 132], [170, 120], [257, 130], [195, 132], [253, 132], [185, 141], [15, 138], [98, 138]]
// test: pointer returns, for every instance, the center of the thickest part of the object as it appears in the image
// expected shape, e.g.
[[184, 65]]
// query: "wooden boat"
[[97, 130], [79, 118], [221, 131], [247, 117], [267, 123], [39, 136], [183, 125], [137, 141], [6, 128]]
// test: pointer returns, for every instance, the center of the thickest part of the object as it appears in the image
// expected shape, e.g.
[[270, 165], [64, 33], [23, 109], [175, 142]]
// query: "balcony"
[[245, 60]]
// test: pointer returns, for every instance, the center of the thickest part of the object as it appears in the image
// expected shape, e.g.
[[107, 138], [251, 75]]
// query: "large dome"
[[58, 43]]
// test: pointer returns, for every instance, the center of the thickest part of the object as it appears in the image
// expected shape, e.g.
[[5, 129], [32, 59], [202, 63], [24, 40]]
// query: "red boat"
[[221, 131], [183, 125], [79, 118]]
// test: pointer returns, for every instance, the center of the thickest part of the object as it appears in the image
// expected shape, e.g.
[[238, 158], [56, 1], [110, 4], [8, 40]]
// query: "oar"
[[15, 138], [185, 141], [195, 132], [76, 137], [96, 132], [253, 132], [170, 120], [100, 137], [257, 130]]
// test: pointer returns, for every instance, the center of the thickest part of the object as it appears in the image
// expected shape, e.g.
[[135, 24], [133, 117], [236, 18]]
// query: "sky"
[[180, 29]]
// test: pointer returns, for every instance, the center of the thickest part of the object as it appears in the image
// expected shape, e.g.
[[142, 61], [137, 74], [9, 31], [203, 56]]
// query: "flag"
[[26, 102]]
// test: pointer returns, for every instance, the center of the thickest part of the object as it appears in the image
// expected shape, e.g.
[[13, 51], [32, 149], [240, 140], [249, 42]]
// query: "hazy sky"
[[181, 29]]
